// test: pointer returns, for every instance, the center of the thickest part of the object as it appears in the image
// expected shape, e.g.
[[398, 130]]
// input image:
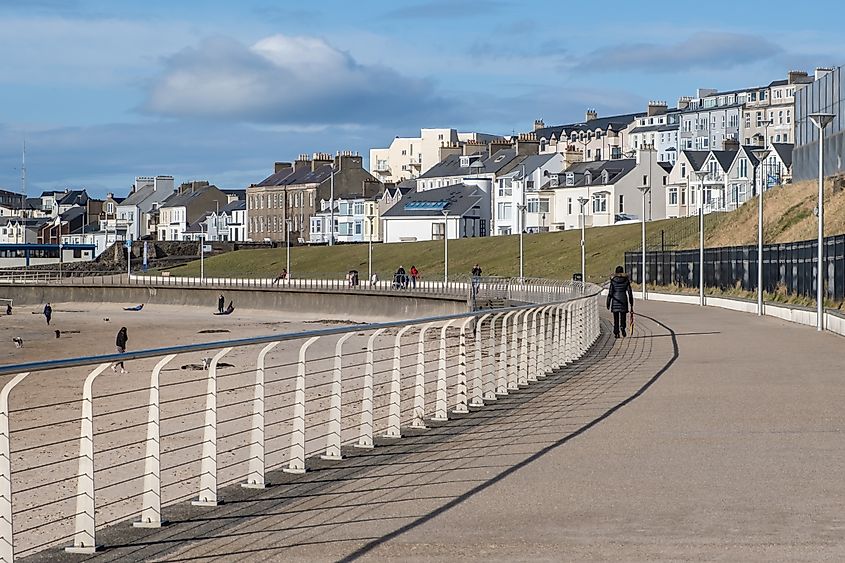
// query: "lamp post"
[[202, 257], [644, 190], [583, 201], [701, 174], [445, 245], [820, 120], [331, 208], [370, 218], [760, 155], [287, 240], [521, 208]]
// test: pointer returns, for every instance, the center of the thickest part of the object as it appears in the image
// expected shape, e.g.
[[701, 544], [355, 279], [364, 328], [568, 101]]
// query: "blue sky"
[[219, 90]]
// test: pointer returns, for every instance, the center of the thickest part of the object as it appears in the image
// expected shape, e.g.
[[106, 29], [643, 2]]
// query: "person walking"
[[282, 276], [221, 302], [620, 300], [120, 346], [48, 313], [476, 279], [414, 275]]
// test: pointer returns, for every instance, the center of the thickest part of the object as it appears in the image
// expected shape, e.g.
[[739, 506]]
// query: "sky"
[[106, 90]]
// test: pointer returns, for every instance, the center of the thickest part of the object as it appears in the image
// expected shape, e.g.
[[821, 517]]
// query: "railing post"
[[554, 337], [502, 371], [441, 396], [530, 341], [7, 549], [394, 416], [542, 335], [568, 338], [84, 540], [208, 467], [151, 499], [297, 437], [477, 397], [418, 419], [255, 477], [513, 357], [461, 387], [336, 403], [365, 438]]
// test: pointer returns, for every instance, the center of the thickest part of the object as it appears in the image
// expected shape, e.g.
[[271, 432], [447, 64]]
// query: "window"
[[645, 179], [438, 231], [683, 197], [538, 205], [358, 207], [683, 170], [600, 203], [504, 210], [673, 196], [743, 167], [358, 227], [570, 178], [404, 152], [569, 206], [621, 203], [505, 187]]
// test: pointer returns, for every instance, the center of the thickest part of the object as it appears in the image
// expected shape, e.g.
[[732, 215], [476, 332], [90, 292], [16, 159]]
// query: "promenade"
[[707, 435]]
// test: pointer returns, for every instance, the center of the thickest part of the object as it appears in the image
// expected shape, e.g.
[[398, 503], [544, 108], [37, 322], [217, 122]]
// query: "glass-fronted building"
[[826, 94]]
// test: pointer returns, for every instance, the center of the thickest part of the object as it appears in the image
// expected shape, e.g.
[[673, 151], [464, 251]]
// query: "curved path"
[[709, 434]]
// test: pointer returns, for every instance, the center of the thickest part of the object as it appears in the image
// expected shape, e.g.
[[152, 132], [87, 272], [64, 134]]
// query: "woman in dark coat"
[[120, 347], [620, 299]]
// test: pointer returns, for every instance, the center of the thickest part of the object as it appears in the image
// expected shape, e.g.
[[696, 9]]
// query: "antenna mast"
[[23, 176]]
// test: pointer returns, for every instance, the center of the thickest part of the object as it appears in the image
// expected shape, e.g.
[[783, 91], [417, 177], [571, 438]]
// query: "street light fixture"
[[644, 190], [760, 155], [331, 208], [583, 201], [521, 208], [370, 218], [701, 174], [820, 120], [445, 245], [287, 241]]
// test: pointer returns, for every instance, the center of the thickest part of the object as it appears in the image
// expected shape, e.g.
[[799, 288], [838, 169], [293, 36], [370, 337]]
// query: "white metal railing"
[[100, 447]]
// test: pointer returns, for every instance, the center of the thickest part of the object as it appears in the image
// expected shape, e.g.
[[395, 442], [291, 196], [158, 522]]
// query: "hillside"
[[789, 216]]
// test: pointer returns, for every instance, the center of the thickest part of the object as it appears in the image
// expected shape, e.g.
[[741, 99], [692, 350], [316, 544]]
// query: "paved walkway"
[[708, 435]]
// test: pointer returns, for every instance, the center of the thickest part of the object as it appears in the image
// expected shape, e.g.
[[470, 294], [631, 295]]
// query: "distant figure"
[[120, 346], [8, 308], [135, 308], [401, 278], [18, 341], [221, 301], [476, 279], [227, 311], [414, 275], [48, 313], [374, 280], [58, 333], [283, 275], [619, 297]]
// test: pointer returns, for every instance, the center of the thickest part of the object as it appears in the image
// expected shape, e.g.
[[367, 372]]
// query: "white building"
[[15, 230], [612, 191], [187, 209], [100, 237], [409, 157], [349, 221], [658, 129], [517, 199], [236, 220], [455, 211], [137, 210]]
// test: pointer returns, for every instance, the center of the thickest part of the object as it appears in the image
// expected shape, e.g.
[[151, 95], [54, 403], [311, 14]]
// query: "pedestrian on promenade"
[[476, 279], [620, 300], [414, 275], [221, 302], [401, 278], [283, 275], [48, 313], [120, 346]]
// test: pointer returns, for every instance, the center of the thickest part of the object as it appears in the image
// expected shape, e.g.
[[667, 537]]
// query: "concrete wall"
[[332, 304]]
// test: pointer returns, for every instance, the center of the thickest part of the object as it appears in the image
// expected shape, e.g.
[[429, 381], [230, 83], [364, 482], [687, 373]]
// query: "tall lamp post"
[[445, 245], [287, 241], [370, 218], [644, 190], [331, 208], [820, 120], [701, 174], [582, 201], [521, 208], [760, 155]]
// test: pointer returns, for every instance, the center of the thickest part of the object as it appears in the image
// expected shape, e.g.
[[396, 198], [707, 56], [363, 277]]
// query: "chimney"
[[473, 147], [319, 159], [497, 145], [731, 144], [279, 166], [656, 108], [348, 160], [795, 76], [447, 149], [591, 115], [822, 71], [301, 161], [538, 124], [683, 102], [527, 144]]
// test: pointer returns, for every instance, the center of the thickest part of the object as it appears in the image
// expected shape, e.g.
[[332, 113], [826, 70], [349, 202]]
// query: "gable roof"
[[696, 158], [784, 151], [457, 199], [725, 158], [74, 197]]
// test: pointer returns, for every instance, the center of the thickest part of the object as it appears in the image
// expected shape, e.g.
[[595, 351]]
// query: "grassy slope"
[[551, 255]]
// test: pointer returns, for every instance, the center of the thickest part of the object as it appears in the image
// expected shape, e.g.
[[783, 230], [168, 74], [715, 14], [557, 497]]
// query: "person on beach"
[[620, 300], [48, 313], [120, 346], [221, 302]]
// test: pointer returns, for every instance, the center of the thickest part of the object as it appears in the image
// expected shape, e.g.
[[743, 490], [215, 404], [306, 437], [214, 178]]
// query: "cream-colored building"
[[409, 157], [775, 104]]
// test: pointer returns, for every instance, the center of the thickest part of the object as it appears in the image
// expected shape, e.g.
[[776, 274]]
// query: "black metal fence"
[[790, 265]]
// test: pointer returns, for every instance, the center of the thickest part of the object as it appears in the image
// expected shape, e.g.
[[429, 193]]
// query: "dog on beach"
[[18, 341]]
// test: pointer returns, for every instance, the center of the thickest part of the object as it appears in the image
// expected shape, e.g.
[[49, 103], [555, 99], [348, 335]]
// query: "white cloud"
[[288, 80]]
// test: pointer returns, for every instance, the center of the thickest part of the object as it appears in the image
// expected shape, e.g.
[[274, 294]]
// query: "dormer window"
[[464, 162], [570, 178], [554, 181], [588, 177], [605, 177]]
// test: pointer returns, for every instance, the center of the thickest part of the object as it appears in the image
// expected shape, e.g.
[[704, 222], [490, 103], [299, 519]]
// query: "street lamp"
[[331, 209], [760, 155], [287, 240], [370, 218], [445, 245], [583, 201], [521, 208], [820, 120], [701, 174], [644, 190]]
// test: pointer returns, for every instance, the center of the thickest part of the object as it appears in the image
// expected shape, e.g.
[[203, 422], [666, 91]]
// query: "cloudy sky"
[[219, 90]]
